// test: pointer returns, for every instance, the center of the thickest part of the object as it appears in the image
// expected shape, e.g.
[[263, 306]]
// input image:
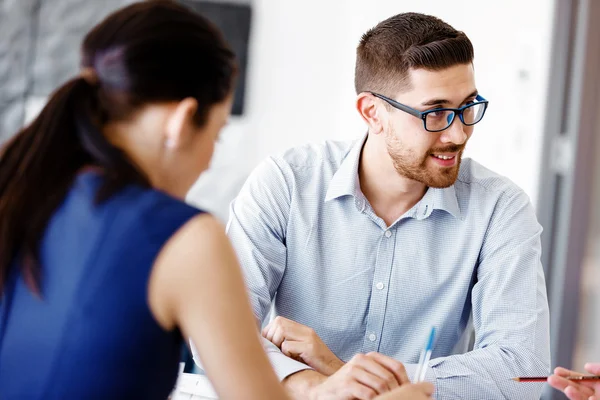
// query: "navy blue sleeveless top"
[[91, 334]]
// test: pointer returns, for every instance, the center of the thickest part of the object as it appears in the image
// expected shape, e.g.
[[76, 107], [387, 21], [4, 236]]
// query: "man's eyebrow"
[[438, 102]]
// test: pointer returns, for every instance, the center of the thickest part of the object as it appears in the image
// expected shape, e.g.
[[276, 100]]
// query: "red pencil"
[[545, 378]]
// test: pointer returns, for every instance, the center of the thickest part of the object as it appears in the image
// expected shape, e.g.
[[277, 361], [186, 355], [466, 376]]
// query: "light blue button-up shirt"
[[309, 241]]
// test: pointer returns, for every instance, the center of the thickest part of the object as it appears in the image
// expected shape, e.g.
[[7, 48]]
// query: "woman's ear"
[[180, 123]]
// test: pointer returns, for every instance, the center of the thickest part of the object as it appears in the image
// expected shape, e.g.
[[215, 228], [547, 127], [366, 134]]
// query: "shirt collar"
[[345, 183], [437, 199]]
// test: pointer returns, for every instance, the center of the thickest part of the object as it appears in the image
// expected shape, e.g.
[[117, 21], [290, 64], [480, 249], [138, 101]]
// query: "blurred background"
[[536, 61]]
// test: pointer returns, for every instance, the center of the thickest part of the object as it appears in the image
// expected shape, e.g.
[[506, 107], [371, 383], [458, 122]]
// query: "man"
[[363, 247]]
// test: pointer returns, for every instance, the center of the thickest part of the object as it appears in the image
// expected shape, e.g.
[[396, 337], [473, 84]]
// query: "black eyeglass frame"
[[423, 114]]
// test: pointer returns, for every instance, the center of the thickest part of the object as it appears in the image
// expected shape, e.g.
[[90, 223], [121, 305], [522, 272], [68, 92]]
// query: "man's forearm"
[[486, 373], [299, 384]]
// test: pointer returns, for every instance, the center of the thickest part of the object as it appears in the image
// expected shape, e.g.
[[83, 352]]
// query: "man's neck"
[[389, 193]]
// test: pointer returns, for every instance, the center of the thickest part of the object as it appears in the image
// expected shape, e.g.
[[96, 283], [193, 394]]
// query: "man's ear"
[[370, 112], [180, 123]]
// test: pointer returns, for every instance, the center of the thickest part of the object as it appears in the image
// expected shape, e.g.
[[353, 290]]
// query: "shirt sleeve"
[[510, 314], [283, 365], [257, 225]]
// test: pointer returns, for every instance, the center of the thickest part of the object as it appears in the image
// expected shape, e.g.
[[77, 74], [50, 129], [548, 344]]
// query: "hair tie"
[[89, 75]]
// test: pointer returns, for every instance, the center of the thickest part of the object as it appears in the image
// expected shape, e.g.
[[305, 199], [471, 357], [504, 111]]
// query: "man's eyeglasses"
[[438, 119]]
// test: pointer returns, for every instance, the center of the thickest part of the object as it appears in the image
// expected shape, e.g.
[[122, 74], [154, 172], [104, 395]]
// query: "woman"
[[584, 390], [103, 267]]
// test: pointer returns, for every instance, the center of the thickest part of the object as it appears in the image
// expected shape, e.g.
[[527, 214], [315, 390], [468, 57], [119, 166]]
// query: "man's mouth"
[[445, 159]]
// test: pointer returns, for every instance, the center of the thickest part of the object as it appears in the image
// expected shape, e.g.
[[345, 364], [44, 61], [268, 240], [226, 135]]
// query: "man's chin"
[[441, 185], [442, 179], [432, 175]]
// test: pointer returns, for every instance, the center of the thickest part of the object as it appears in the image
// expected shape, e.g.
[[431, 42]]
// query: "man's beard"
[[421, 169]]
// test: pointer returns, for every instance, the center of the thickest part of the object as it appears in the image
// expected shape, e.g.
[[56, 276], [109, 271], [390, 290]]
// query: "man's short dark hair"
[[409, 40]]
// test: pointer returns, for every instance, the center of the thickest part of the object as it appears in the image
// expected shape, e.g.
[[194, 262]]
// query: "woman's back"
[[90, 333]]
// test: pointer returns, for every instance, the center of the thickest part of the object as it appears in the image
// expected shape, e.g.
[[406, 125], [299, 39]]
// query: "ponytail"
[[147, 52], [38, 166]]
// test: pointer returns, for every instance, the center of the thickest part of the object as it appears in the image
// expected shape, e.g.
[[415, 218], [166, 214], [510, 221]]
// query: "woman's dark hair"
[[148, 52]]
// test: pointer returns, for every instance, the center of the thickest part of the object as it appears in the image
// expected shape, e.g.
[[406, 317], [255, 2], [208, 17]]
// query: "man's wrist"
[[333, 367], [300, 384]]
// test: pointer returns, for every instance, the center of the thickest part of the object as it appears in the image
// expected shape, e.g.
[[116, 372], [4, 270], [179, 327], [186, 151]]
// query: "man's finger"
[[370, 379], [356, 390], [274, 324], [291, 330], [563, 384], [593, 368], [586, 387], [558, 382], [294, 330], [374, 367], [278, 337], [293, 348], [277, 330], [269, 331], [574, 394], [394, 366], [560, 371]]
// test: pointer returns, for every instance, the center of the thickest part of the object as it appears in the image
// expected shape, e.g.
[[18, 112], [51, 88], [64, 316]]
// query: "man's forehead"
[[452, 82]]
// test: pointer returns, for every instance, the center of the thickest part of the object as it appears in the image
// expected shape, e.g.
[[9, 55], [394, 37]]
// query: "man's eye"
[[437, 114]]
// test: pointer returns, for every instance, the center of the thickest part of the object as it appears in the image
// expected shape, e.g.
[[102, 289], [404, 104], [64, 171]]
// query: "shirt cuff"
[[283, 365], [411, 370]]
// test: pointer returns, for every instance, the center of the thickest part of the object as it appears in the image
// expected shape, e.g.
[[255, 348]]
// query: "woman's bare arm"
[[196, 284]]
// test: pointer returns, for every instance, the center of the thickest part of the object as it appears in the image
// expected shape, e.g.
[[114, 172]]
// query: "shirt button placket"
[[379, 296]]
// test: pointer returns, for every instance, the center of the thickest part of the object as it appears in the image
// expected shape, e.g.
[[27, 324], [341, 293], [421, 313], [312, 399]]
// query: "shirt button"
[[372, 337], [380, 285], [388, 234]]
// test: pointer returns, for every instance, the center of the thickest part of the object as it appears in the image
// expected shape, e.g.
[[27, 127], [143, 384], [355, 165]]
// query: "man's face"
[[432, 158]]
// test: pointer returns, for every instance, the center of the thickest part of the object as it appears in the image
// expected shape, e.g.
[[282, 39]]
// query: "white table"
[[193, 387]]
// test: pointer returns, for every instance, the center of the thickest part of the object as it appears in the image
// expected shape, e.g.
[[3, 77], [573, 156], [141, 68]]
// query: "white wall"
[[587, 344], [301, 74]]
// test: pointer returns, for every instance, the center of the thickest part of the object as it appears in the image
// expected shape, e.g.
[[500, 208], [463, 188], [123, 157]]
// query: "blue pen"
[[424, 359]]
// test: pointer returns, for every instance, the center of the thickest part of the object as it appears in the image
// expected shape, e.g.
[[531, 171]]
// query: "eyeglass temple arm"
[[399, 106]]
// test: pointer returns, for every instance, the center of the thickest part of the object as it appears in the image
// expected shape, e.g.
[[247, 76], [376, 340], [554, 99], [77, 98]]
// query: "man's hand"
[[417, 391], [364, 377], [300, 384], [303, 344], [586, 390]]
